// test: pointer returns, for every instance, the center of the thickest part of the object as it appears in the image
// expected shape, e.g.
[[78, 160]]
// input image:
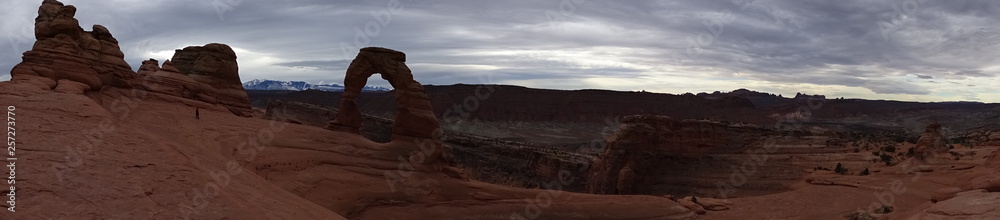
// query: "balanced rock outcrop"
[[64, 53], [931, 143]]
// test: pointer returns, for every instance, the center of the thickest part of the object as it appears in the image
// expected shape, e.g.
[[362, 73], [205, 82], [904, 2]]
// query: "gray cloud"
[[327, 65], [973, 73], [799, 45]]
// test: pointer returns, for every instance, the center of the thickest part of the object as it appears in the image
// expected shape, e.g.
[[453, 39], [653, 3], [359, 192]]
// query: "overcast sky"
[[905, 50]]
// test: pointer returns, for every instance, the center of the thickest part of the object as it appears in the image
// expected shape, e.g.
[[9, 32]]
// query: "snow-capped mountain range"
[[266, 84]]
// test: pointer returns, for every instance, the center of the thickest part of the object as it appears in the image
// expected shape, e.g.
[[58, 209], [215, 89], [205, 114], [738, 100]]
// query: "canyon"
[[183, 139]]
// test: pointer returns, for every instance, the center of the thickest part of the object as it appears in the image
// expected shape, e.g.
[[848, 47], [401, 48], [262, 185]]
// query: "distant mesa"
[[374, 128], [276, 85]]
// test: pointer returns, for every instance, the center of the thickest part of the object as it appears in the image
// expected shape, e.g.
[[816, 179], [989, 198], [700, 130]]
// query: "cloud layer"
[[906, 50]]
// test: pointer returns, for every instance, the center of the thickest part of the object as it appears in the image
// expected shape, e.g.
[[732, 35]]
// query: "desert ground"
[[182, 139]]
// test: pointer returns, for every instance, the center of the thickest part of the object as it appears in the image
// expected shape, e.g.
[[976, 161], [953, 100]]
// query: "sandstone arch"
[[414, 121]]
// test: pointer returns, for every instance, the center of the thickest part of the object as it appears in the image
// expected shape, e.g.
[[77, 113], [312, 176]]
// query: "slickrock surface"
[[99, 141], [966, 205]]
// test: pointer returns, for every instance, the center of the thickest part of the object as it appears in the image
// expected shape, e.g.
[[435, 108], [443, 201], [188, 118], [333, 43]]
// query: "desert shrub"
[[840, 169], [884, 209], [865, 172], [899, 139], [889, 148], [876, 153], [887, 159], [859, 216]]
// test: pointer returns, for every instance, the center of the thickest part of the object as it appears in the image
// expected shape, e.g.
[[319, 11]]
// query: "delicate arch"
[[414, 114]]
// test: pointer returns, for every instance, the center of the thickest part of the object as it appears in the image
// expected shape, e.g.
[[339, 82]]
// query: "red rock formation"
[[931, 143], [168, 80], [207, 74], [414, 120], [162, 163], [694, 207], [976, 204], [66, 58], [65, 53], [986, 177], [214, 67], [656, 155]]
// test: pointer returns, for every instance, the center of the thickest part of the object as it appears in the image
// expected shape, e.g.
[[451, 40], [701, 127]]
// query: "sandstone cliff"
[[214, 66], [657, 155], [69, 59], [208, 74], [66, 58]]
